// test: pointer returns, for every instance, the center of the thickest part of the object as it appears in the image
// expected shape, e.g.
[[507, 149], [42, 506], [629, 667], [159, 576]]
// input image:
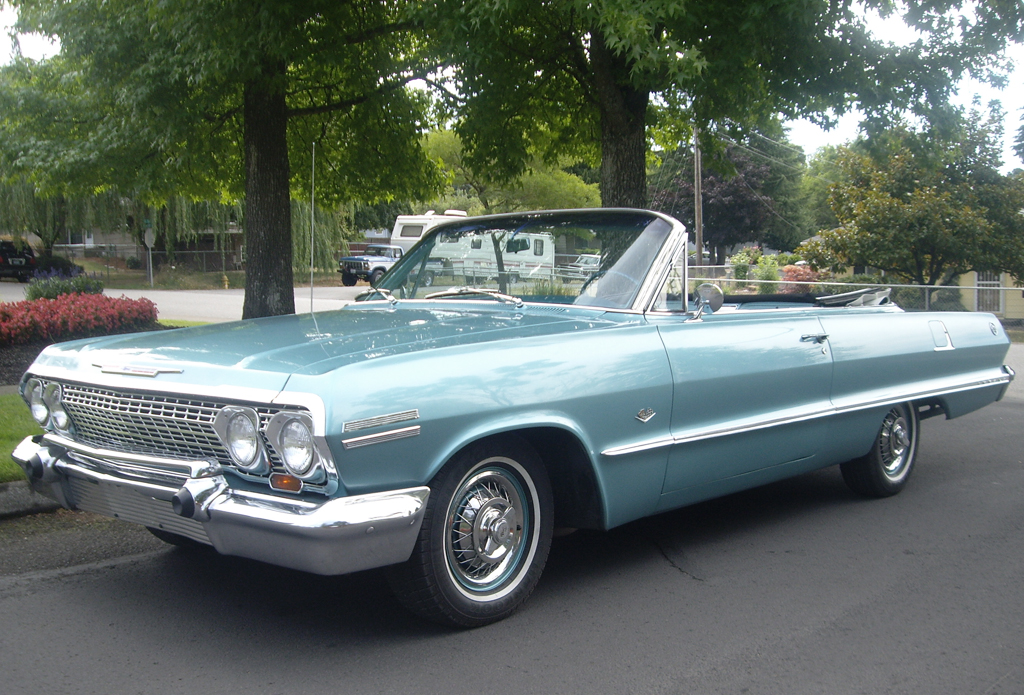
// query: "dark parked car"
[[17, 260]]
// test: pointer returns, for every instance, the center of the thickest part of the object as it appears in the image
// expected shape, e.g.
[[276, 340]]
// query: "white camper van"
[[525, 256], [410, 228]]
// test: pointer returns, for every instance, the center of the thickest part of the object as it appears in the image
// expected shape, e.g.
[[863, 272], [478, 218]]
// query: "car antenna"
[[312, 225], [312, 222]]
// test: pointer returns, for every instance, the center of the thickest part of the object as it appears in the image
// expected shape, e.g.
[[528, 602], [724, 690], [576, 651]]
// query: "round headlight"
[[52, 399], [243, 440], [34, 396], [297, 447]]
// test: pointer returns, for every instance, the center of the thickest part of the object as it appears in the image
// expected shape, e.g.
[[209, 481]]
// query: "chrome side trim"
[[835, 409], [382, 437], [380, 420]]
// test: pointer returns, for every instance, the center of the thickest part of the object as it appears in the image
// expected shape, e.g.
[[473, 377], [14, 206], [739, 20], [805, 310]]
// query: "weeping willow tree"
[[56, 219], [176, 222], [331, 232]]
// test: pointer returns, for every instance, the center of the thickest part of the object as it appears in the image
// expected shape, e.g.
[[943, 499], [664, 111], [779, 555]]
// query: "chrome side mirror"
[[709, 296]]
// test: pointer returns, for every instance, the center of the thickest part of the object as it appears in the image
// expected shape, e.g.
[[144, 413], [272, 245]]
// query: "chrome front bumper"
[[193, 499]]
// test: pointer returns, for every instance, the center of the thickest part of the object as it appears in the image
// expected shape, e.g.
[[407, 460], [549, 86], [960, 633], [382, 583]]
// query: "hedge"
[[72, 316]]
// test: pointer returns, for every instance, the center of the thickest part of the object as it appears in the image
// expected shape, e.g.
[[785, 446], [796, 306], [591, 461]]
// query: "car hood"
[[262, 353]]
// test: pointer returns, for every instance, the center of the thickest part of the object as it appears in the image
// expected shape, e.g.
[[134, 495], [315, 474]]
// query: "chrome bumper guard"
[[193, 499]]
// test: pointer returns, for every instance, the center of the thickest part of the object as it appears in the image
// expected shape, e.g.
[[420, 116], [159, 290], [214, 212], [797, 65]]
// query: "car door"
[[749, 392]]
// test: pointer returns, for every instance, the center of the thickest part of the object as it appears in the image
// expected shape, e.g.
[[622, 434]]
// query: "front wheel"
[[885, 469], [485, 536], [348, 279]]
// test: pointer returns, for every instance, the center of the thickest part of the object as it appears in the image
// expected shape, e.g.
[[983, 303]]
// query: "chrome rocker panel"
[[193, 499]]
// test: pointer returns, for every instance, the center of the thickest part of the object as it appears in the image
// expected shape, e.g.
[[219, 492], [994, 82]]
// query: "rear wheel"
[[485, 536], [885, 469]]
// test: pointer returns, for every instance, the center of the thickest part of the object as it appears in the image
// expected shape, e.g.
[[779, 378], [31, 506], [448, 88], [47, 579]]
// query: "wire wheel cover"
[[488, 524], [894, 443]]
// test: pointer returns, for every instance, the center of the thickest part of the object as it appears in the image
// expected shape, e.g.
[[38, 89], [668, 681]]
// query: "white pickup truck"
[[370, 266]]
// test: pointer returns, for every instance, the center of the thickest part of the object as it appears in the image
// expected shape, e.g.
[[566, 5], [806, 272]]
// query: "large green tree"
[[222, 99], [592, 77], [926, 204], [541, 186]]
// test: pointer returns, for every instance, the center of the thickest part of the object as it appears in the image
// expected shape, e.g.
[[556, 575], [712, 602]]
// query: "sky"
[[802, 133]]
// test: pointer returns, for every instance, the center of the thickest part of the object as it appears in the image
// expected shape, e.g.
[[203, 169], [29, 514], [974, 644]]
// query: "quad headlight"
[[239, 428], [36, 404], [291, 434], [296, 442], [52, 399]]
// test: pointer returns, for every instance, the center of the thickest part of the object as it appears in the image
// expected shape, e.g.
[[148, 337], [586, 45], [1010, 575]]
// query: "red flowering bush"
[[72, 316], [799, 273]]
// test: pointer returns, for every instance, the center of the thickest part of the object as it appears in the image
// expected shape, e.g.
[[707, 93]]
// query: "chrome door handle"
[[814, 338]]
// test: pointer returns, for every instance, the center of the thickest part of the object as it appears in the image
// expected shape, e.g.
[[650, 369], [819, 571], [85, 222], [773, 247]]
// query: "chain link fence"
[[986, 296]]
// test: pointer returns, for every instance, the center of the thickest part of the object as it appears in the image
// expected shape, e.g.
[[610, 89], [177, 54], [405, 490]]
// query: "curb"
[[18, 499]]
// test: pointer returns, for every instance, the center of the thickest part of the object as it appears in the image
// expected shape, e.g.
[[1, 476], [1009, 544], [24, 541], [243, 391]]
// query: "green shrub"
[[56, 285], [785, 259], [767, 268], [132, 263], [748, 255]]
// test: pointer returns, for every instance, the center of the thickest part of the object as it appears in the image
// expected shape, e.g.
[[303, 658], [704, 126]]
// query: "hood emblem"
[[127, 370], [645, 415]]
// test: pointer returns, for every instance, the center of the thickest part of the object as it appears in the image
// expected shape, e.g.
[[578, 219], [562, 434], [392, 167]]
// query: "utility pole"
[[698, 203]]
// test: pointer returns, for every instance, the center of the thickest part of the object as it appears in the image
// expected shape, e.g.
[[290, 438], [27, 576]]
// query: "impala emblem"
[[645, 415]]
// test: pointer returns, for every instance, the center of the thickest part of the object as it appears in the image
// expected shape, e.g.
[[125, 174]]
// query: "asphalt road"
[[798, 587], [213, 306]]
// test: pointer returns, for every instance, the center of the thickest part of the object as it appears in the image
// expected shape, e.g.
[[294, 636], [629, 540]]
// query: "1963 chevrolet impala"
[[445, 431]]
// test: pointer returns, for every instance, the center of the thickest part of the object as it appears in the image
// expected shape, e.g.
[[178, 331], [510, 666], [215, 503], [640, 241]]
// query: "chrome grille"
[[160, 425]]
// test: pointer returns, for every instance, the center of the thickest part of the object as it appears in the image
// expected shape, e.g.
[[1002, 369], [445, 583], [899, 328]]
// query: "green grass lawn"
[[15, 425]]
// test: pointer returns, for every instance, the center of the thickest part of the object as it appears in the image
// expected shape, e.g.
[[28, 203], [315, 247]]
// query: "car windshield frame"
[[637, 249]]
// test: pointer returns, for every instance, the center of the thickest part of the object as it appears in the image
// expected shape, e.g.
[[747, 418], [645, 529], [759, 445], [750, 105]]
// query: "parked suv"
[[17, 260], [370, 266]]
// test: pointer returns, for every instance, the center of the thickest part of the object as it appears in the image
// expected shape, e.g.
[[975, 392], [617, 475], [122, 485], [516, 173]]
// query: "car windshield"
[[533, 256], [378, 251]]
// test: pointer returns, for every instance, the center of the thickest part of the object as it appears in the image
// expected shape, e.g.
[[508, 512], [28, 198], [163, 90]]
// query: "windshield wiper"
[[464, 291]]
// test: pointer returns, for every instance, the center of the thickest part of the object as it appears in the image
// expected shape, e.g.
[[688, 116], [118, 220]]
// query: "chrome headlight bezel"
[[53, 395], [33, 395], [257, 462], [277, 433]]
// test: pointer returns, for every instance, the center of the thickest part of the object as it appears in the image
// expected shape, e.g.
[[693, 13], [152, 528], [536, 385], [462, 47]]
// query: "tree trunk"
[[623, 110], [268, 225]]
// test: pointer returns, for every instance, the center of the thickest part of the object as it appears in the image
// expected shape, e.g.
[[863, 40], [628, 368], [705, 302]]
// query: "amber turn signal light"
[[280, 481]]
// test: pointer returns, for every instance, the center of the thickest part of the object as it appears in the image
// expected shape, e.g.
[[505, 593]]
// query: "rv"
[[410, 228], [524, 256]]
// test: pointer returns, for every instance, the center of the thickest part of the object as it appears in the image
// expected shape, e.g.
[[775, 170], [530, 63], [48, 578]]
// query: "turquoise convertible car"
[[444, 432]]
